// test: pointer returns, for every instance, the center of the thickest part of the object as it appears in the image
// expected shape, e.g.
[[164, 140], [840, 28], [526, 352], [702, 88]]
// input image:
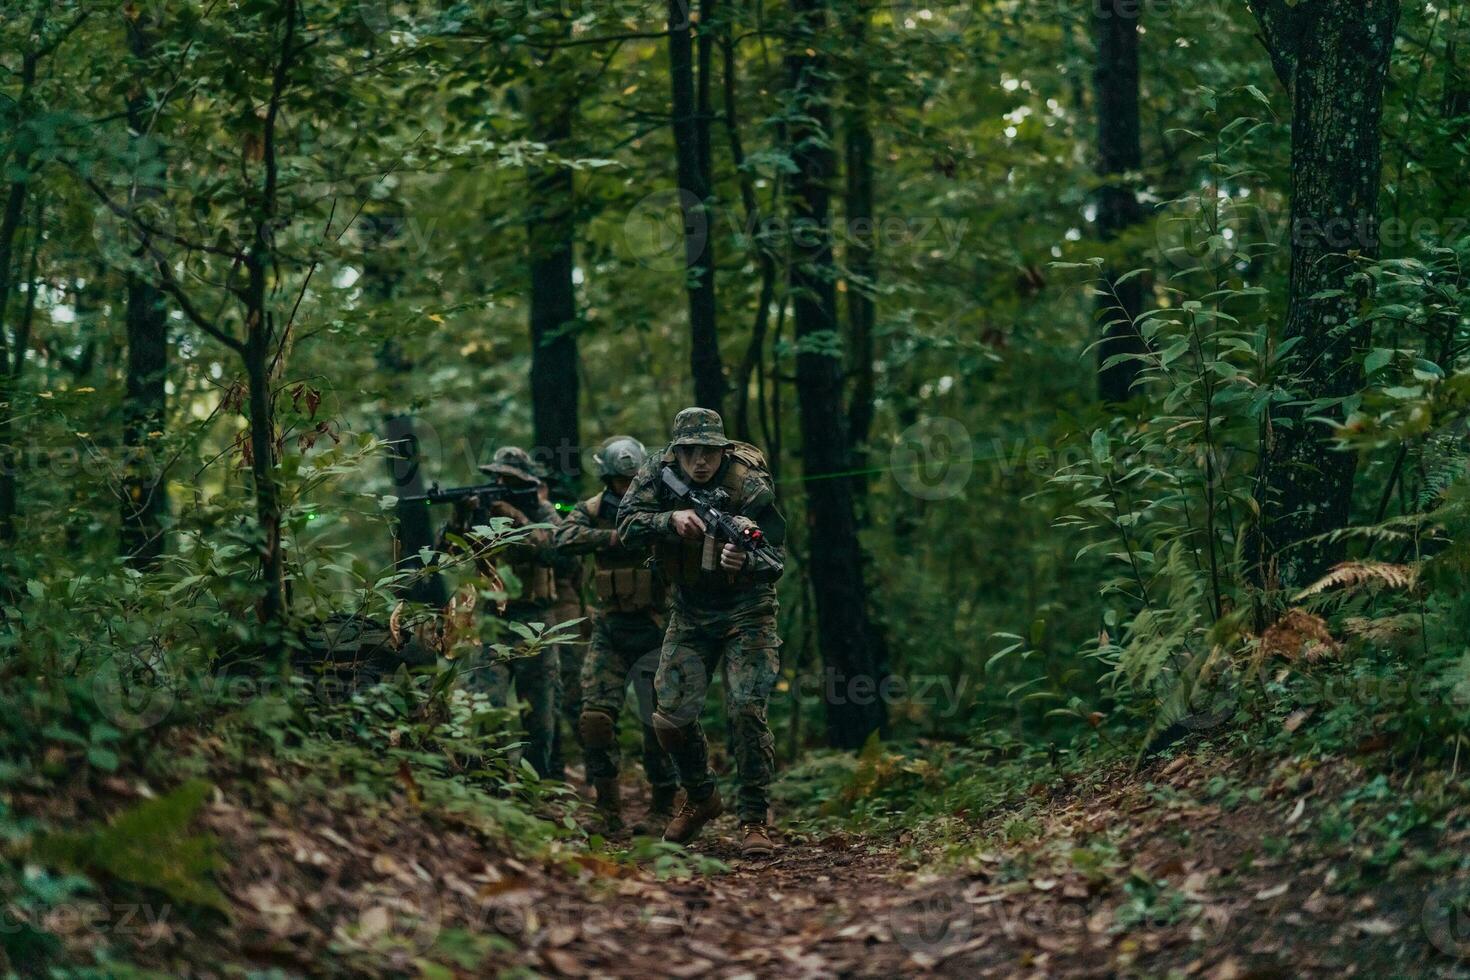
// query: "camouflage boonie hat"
[[699, 427], [512, 461], [619, 456]]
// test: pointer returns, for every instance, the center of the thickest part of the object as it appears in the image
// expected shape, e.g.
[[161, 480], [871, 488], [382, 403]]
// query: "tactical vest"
[[621, 579], [681, 561]]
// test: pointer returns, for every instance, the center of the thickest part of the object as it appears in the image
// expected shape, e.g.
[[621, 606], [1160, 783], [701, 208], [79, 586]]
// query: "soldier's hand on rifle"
[[504, 508], [687, 525], [732, 559]]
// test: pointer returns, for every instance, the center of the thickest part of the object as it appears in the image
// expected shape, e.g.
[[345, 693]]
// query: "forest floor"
[[1197, 866]]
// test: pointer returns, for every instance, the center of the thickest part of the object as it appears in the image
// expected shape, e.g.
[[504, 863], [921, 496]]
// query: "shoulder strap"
[[750, 456]]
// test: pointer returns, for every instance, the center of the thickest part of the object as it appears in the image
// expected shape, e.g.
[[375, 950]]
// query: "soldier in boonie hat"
[[514, 462], [699, 427]]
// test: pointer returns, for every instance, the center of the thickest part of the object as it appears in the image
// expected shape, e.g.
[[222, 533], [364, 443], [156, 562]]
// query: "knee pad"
[[597, 728], [670, 736]]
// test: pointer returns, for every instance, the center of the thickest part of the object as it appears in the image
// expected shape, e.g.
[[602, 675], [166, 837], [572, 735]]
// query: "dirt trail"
[[825, 906], [1131, 876]]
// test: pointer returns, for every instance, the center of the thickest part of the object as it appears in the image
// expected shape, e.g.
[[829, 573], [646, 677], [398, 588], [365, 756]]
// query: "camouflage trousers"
[[624, 647], [537, 686], [698, 638]]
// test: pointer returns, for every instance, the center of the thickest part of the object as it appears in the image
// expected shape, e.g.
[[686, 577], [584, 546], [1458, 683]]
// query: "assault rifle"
[[522, 498], [710, 506]]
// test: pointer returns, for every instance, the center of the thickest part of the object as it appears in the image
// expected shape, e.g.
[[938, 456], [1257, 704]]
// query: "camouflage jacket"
[[645, 519], [583, 533]]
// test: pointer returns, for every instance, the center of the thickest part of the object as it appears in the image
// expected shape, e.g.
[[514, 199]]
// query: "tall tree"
[[550, 231], [12, 354], [861, 239], [383, 274], [1119, 155], [691, 157], [1332, 56], [144, 498], [845, 634]]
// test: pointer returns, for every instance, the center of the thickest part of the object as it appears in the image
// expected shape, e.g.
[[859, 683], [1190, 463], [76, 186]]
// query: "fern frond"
[[1386, 629], [1353, 575]]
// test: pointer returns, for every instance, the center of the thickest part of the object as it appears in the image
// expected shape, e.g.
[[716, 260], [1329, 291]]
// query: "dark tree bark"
[[415, 524], [845, 634], [550, 232], [1332, 56], [1119, 152], [861, 243], [260, 351], [691, 154], [11, 360], [145, 501], [383, 272]]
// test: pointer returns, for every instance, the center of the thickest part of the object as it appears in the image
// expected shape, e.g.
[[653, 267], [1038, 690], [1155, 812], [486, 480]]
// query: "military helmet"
[[514, 462], [619, 456], [699, 427]]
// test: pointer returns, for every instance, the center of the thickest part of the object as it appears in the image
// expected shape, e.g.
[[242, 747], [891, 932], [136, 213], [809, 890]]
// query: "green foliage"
[[148, 845]]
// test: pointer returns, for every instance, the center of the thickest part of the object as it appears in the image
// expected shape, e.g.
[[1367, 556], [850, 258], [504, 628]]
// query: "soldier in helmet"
[[627, 631], [529, 563], [724, 607]]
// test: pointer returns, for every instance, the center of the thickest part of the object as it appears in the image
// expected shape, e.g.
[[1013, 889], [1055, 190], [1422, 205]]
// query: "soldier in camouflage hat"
[[526, 568], [627, 631], [724, 608]]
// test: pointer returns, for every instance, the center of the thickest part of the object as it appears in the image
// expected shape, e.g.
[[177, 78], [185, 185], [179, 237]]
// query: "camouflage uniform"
[[627, 631], [715, 615], [526, 568]]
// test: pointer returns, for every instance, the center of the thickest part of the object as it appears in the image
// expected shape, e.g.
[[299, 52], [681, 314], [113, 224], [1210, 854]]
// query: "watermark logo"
[[660, 227], [933, 925], [933, 458], [1446, 919], [134, 690], [680, 685], [1193, 235]]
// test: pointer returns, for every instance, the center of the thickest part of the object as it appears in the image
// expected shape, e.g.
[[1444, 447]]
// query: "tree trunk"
[[550, 234], [861, 241], [10, 360], [383, 272], [415, 524], [144, 500], [691, 148], [1115, 83], [259, 357], [845, 634], [1333, 57]]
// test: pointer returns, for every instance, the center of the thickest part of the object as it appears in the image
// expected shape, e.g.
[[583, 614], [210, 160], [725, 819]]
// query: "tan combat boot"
[[757, 842], [692, 817], [609, 805], [660, 811]]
